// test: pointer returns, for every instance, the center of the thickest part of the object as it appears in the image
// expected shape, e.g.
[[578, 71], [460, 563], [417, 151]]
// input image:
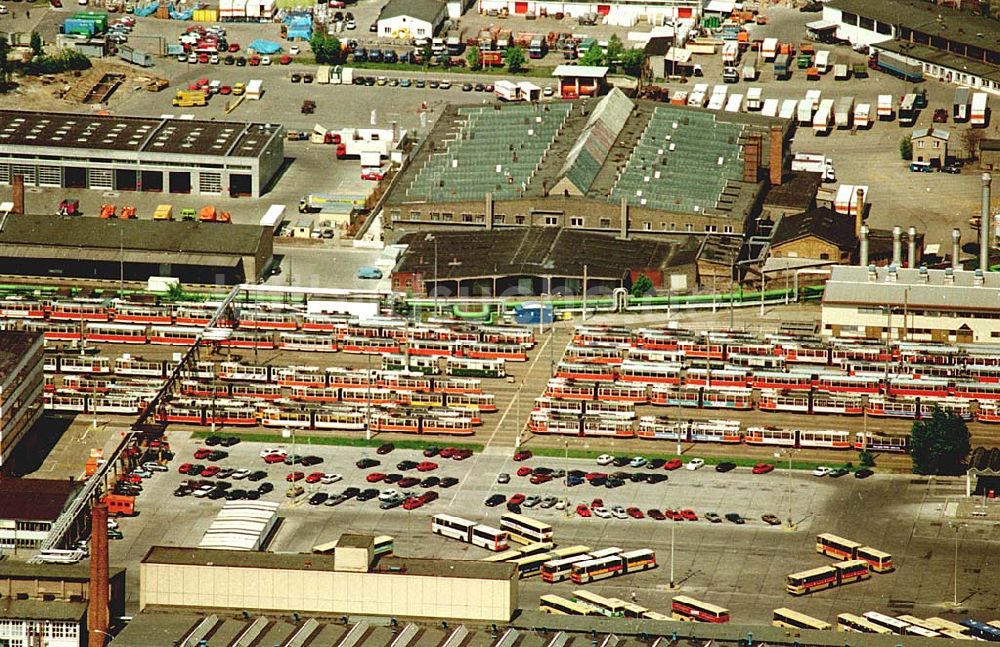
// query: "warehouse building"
[[28, 507], [620, 13], [349, 582], [159, 155], [21, 384], [411, 19], [134, 250]]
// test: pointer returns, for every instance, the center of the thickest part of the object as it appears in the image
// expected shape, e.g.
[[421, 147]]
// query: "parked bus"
[[610, 607], [981, 630], [878, 561], [895, 625], [834, 546], [787, 618], [688, 609], [558, 570], [384, 545], [562, 607], [613, 565], [825, 577], [857, 624], [944, 626], [525, 530], [469, 532]]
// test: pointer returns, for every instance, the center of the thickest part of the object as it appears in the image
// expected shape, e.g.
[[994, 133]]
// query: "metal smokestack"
[[984, 225], [956, 248], [623, 224], [897, 246], [911, 243], [863, 260], [97, 605]]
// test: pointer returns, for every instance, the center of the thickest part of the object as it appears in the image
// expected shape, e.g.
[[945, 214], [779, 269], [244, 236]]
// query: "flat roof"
[[51, 572], [143, 236], [942, 58], [309, 562], [851, 285], [797, 190], [14, 609], [26, 499], [134, 134], [959, 26], [350, 540], [15, 344], [583, 71]]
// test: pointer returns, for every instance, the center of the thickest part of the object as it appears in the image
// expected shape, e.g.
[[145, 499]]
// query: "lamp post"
[[672, 526], [290, 433], [788, 484], [430, 238], [957, 527]]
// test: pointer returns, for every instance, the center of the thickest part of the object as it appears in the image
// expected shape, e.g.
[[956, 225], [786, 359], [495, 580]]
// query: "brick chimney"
[[776, 156], [97, 606], [18, 194], [751, 158]]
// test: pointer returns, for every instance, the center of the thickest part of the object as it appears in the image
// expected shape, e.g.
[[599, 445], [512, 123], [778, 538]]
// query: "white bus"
[[895, 625], [384, 545], [469, 532], [525, 530]]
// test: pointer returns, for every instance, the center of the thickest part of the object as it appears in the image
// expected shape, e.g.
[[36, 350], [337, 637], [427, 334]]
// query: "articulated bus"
[[787, 618], [840, 548], [945, 626], [530, 565], [688, 609], [981, 630], [384, 545], [470, 532], [857, 624], [895, 625], [624, 563], [562, 607], [919, 623], [517, 553], [558, 570], [610, 607], [826, 577]]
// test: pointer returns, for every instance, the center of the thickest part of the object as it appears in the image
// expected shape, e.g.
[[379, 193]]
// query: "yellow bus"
[[610, 607], [834, 546], [525, 530], [815, 579], [787, 618], [857, 624], [562, 607], [942, 625], [878, 561], [518, 553], [384, 545]]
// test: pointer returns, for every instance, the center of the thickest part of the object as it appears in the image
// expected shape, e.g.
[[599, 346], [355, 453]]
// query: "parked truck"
[[190, 98], [131, 55], [750, 68], [255, 89], [754, 98], [698, 95], [844, 112], [315, 202], [862, 116], [823, 119], [841, 71], [815, 163], [896, 65], [979, 115], [908, 111], [960, 108], [804, 113], [783, 66], [885, 107], [769, 49], [823, 61]]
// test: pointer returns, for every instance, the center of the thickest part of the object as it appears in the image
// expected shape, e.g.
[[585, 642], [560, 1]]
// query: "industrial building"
[[550, 260], [410, 19], [134, 250], [160, 155], [948, 43], [349, 582], [621, 13], [676, 169], [28, 507], [47, 604], [21, 384]]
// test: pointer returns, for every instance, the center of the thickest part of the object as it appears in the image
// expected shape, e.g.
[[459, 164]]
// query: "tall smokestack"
[[863, 260], [859, 212], [984, 225], [911, 244], [956, 248], [18, 194], [751, 158], [897, 246], [97, 605], [489, 210], [776, 155], [623, 233]]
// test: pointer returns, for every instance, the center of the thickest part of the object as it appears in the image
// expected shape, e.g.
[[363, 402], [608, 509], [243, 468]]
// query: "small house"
[[930, 145]]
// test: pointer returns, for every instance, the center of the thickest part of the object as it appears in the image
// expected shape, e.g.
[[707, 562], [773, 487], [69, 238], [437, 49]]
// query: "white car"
[[822, 471], [3, 9], [265, 60], [388, 495], [214, 59], [264, 453], [694, 464], [561, 504], [548, 91], [605, 459], [154, 467], [638, 461], [601, 511], [329, 479], [112, 524], [240, 474], [203, 491], [294, 50], [619, 512]]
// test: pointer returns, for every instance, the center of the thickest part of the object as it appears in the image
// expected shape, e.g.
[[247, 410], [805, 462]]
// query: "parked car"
[[673, 464], [503, 477], [426, 466], [725, 467], [385, 448], [494, 500], [735, 517], [406, 465], [822, 470], [522, 455], [654, 513], [863, 473], [713, 517], [449, 481], [762, 468], [367, 463], [583, 511], [637, 462], [688, 514], [840, 471], [635, 513], [430, 481], [771, 520], [695, 463]]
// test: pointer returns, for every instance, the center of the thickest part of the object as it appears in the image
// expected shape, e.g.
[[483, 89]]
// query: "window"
[[688, 227], [387, 31], [883, 28], [605, 223], [711, 229], [576, 221], [499, 219], [518, 220], [673, 226], [414, 215], [647, 226], [467, 217], [824, 256], [551, 221], [728, 229], [394, 214], [435, 216]]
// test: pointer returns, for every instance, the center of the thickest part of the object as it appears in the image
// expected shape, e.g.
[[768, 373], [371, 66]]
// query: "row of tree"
[[39, 62]]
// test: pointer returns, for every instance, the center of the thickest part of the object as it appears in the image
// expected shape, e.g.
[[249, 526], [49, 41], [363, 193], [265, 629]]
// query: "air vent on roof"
[[158, 144], [57, 139]]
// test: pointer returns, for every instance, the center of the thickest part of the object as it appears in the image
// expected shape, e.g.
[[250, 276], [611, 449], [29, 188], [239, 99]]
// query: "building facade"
[[21, 384], [930, 145], [162, 155], [411, 19], [29, 507]]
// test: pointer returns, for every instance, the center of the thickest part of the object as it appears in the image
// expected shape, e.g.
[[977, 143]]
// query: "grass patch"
[[309, 439], [555, 452]]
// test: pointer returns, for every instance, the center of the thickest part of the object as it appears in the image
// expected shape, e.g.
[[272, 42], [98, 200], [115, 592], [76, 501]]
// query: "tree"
[[972, 138], [867, 458], [175, 292], [37, 47], [940, 444], [906, 148], [632, 61], [593, 56], [472, 58], [5, 65], [615, 51], [514, 57], [325, 48], [642, 285]]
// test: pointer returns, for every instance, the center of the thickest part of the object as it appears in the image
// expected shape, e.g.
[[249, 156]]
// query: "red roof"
[[34, 499]]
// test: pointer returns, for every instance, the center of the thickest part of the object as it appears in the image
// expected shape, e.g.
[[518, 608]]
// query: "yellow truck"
[[163, 212], [190, 98]]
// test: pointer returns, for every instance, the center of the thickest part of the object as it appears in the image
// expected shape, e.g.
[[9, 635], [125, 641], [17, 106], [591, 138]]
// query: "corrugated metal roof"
[[853, 285], [582, 71]]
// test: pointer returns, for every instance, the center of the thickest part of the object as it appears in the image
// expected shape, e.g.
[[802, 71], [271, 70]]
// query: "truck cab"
[[369, 273], [730, 75]]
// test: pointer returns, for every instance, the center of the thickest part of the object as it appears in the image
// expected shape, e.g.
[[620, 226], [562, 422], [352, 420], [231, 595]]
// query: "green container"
[[711, 22]]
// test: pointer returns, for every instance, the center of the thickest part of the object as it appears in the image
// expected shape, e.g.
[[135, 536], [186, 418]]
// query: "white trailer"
[[770, 108], [754, 98], [730, 52], [823, 119], [698, 95], [813, 97], [844, 113], [804, 113], [788, 107], [506, 90], [815, 163], [769, 49], [960, 108], [734, 103], [862, 116], [980, 113], [255, 89], [885, 107], [750, 69], [823, 61], [718, 99], [273, 217], [846, 202]]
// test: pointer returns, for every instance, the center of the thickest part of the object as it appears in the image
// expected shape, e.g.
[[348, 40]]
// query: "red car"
[[673, 464], [375, 477], [184, 468], [426, 466], [285, 59], [523, 455], [254, 60], [315, 477], [516, 499], [203, 57], [211, 470], [593, 475], [408, 482], [225, 90], [538, 479], [688, 514], [131, 478], [274, 458], [448, 452], [295, 476], [461, 454], [635, 513], [429, 496], [582, 510], [524, 470], [597, 503], [413, 503], [673, 514], [202, 454], [234, 47], [762, 468]]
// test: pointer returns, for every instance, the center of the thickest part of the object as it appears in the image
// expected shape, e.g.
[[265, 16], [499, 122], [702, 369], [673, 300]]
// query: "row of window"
[[15, 629], [911, 312], [550, 221]]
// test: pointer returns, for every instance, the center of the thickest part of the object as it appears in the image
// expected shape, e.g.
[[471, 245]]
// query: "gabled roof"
[[822, 223], [936, 133], [658, 45], [426, 10]]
